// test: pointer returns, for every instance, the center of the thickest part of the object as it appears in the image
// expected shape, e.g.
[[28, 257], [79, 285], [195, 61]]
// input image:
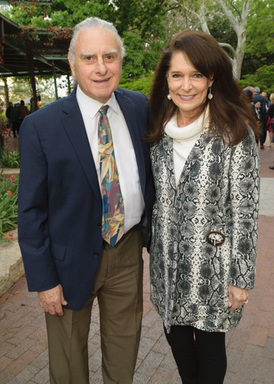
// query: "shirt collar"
[[92, 106]]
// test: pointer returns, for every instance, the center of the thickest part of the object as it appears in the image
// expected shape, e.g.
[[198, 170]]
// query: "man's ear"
[[71, 65]]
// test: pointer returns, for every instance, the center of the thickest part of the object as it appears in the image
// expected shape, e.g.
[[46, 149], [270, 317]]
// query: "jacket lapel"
[[75, 129]]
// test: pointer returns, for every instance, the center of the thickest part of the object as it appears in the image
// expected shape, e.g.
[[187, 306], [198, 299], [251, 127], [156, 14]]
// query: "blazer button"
[[96, 254], [99, 225]]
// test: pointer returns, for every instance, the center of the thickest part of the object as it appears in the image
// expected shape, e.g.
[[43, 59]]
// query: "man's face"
[[97, 65]]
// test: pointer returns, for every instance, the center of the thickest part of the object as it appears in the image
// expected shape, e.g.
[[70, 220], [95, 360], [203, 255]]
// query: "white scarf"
[[184, 139]]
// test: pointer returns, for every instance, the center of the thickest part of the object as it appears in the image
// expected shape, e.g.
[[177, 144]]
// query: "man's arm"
[[52, 300], [33, 231]]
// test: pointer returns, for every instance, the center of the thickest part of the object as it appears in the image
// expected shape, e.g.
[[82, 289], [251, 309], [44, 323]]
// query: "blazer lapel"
[[75, 129]]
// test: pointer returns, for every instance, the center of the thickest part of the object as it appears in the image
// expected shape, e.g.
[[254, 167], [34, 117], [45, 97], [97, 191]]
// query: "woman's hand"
[[237, 297]]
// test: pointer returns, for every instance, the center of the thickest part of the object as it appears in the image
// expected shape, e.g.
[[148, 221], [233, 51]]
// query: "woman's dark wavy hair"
[[229, 110]]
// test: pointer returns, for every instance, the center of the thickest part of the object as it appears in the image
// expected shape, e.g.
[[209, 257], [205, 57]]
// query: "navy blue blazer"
[[59, 218]]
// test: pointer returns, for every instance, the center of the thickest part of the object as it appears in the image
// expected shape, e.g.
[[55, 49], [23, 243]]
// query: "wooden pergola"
[[31, 53]]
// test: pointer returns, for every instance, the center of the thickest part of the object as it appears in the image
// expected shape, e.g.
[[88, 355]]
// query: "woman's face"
[[187, 86]]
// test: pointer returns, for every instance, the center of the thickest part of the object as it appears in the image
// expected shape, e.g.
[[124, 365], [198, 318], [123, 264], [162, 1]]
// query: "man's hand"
[[237, 297], [52, 301]]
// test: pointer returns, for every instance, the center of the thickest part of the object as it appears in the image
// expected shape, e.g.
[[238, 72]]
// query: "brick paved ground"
[[250, 347]]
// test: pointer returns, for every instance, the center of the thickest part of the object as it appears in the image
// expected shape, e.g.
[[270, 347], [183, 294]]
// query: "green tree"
[[244, 28], [240, 26], [141, 24], [260, 29], [263, 78]]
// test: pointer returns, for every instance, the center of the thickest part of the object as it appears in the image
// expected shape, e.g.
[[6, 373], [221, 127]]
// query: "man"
[[14, 118], [260, 104], [60, 210], [8, 112]]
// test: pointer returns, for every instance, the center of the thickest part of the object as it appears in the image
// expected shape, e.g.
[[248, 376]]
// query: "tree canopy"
[[141, 24], [244, 28]]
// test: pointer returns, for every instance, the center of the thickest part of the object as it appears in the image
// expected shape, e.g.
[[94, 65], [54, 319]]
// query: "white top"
[[123, 149], [184, 139]]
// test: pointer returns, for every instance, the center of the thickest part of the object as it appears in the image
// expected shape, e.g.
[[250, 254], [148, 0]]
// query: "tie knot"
[[103, 110]]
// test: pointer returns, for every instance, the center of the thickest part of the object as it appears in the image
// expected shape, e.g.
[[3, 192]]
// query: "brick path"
[[250, 347]]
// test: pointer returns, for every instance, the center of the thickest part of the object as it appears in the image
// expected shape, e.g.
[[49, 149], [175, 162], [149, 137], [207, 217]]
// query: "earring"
[[169, 97], [210, 96]]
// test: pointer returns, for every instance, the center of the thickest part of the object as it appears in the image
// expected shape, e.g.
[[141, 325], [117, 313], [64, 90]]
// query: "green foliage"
[[259, 46], [146, 26], [4, 130], [222, 30], [142, 25], [8, 204], [67, 13], [133, 61], [21, 88], [263, 78], [10, 159], [260, 28], [139, 60], [142, 84], [152, 57]]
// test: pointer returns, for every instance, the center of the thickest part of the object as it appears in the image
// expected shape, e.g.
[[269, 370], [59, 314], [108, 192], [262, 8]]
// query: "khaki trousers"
[[118, 287]]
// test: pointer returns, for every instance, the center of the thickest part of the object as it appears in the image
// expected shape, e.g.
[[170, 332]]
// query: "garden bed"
[[11, 264]]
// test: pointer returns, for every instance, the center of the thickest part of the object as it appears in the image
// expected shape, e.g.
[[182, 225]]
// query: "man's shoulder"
[[131, 94], [132, 100], [258, 97]]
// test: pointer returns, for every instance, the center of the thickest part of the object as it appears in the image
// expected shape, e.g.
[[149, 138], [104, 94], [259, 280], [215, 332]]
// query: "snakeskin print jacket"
[[205, 230]]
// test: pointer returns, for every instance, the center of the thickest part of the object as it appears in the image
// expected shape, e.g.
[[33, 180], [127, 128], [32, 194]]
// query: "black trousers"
[[262, 134], [200, 356]]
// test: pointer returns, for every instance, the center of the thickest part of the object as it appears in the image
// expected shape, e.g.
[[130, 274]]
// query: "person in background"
[[270, 122], [250, 94], [8, 113], [22, 112], [205, 166], [260, 103], [32, 105], [264, 94], [14, 118], [35, 106], [39, 102], [85, 195]]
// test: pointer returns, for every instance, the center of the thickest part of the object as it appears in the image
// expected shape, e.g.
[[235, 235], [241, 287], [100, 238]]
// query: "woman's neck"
[[186, 118]]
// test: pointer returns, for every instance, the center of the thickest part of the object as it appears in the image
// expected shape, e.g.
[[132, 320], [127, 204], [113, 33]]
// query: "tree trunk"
[[31, 74]]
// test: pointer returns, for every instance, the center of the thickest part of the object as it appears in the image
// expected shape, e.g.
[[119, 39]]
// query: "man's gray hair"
[[93, 22]]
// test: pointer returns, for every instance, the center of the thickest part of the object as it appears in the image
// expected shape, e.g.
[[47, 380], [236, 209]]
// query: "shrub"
[[143, 84], [10, 159], [8, 206]]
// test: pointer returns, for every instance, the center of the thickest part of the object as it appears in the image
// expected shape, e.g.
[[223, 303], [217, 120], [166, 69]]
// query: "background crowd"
[[263, 110]]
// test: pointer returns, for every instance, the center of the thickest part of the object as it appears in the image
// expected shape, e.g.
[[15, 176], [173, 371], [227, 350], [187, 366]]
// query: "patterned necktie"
[[112, 200]]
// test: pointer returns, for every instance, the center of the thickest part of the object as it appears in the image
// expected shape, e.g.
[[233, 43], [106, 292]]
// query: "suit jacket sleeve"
[[33, 210]]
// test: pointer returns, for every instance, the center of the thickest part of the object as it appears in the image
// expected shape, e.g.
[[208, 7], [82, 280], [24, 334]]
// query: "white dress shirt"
[[123, 149]]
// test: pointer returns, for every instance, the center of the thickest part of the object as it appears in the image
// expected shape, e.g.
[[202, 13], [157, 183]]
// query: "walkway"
[[250, 347]]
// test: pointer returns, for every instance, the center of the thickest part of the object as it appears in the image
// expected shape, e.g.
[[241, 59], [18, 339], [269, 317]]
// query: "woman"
[[270, 120], [206, 172]]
